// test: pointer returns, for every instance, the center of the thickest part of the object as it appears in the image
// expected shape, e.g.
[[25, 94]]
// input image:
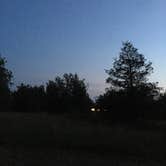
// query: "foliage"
[[29, 99], [5, 82], [130, 94], [65, 94], [130, 70], [68, 93]]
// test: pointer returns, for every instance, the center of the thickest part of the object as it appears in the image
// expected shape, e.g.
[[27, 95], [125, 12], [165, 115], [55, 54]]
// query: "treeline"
[[130, 95], [61, 95], [66, 94]]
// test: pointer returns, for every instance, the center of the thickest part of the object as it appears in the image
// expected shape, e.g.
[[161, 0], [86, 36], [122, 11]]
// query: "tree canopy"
[[29, 98], [130, 89], [5, 82], [67, 93], [130, 69]]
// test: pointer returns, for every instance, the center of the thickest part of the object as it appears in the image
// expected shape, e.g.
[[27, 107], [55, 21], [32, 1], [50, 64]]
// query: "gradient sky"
[[45, 38]]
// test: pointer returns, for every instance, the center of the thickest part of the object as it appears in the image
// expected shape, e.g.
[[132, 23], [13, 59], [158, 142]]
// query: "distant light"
[[98, 110], [92, 109]]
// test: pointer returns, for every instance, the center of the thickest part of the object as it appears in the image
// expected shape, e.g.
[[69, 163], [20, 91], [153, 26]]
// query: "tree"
[[111, 99], [130, 70], [67, 94], [55, 94], [129, 75], [5, 82], [29, 99]]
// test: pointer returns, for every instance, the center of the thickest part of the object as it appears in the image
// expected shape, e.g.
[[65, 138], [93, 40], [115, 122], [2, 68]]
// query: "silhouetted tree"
[[29, 99], [129, 74], [114, 102], [110, 99], [5, 82], [55, 93], [130, 70], [161, 105], [67, 94], [77, 92]]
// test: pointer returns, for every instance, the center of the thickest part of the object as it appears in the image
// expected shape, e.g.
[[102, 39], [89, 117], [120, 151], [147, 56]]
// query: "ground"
[[42, 139]]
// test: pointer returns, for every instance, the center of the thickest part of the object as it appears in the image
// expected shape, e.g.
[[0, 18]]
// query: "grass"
[[42, 139]]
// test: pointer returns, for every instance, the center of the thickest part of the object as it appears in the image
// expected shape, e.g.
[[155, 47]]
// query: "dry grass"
[[41, 139]]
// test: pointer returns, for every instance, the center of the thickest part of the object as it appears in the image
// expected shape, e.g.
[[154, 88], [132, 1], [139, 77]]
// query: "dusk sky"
[[45, 38]]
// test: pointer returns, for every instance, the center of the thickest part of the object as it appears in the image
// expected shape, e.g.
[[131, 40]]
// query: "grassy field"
[[42, 139]]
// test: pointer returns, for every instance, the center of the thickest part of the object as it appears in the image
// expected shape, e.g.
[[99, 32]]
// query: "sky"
[[42, 39]]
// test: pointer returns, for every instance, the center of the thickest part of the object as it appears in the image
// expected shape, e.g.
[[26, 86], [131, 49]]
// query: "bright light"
[[92, 109]]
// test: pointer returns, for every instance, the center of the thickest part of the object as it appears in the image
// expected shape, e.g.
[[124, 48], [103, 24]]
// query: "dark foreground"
[[46, 140], [50, 156]]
